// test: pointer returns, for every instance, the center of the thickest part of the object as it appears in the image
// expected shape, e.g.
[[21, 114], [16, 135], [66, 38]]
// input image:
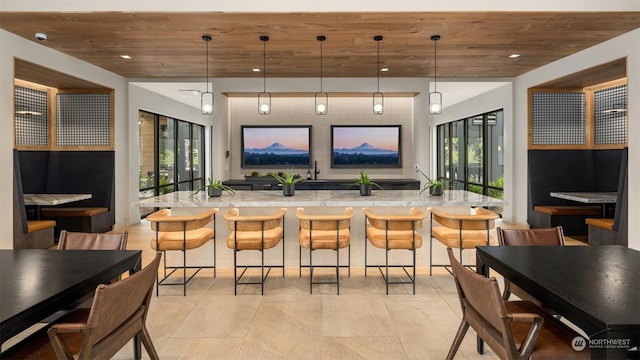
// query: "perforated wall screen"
[[31, 127]]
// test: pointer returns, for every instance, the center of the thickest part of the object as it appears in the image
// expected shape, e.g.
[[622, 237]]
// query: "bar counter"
[[338, 198], [314, 202]]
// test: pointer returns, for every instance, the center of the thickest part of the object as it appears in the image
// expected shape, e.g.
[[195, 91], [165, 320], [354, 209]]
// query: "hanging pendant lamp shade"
[[264, 98], [378, 97], [435, 97], [321, 98], [206, 98]]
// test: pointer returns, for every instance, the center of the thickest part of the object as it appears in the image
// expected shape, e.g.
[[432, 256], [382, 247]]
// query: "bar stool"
[[325, 232], [182, 233], [254, 232], [394, 232], [461, 228]]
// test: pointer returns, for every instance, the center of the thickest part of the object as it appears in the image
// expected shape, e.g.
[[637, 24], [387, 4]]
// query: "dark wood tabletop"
[[595, 287], [36, 283]]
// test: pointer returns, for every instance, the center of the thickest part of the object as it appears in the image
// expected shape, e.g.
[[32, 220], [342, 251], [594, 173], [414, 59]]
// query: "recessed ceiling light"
[[125, 56], [384, 69], [513, 56], [255, 70]]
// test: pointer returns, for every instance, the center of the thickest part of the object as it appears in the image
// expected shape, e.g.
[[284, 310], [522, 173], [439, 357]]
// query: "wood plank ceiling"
[[169, 45]]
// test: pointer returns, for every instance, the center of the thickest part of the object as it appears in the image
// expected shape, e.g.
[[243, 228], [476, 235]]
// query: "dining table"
[[590, 197], [597, 288], [37, 283], [40, 200]]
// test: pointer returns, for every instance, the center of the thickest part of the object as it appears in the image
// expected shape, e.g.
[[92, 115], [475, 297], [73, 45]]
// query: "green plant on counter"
[[434, 186], [287, 177], [364, 180], [217, 184]]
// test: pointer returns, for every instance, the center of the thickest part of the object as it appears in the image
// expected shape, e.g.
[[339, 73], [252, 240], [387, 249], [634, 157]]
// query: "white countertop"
[[274, 198], [587, 197], [53, 199]]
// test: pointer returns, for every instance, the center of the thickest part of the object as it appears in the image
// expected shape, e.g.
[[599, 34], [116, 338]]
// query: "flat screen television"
[[276, 146], [366, 146]]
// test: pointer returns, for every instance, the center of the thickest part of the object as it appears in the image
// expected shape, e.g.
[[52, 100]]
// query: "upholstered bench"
[[570, 217], [80, 219], [602, 223]]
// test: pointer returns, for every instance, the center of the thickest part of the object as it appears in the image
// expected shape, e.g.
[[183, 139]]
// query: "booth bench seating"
[[613, 231], [73, 172], [28, 234], [569, 170]]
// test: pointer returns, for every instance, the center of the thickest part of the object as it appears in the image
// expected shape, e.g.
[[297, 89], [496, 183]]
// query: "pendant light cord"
[[321, 41], [435, 39], [264, 66], [207, 61], [378, 69]]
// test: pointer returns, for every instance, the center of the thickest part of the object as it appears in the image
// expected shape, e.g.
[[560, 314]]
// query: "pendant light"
[[206, 98], [378, 97], [435, 97], [322, 98], [264, 98]]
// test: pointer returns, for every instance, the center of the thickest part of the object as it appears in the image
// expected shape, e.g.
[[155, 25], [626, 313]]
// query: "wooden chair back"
[[92, 241], [118, 313]]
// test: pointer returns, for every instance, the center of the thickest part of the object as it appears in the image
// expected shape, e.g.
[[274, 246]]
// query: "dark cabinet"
[[339, 184]]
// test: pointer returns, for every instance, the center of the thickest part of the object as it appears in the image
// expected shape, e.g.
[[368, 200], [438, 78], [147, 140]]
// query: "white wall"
[[625, 45], [13, 46]]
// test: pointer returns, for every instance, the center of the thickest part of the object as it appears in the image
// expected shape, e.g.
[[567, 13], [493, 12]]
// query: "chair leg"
[[235, 271], [148, 345], [430, 247], [414, 269], [310, 267], [338, 269], [462, 330]]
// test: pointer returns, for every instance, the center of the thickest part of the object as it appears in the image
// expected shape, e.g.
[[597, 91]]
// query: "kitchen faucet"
[[315, 170]]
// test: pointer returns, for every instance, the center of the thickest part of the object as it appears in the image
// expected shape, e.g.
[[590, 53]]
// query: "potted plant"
[[288, 180], [215, 188], [365, 184], [433, 185]]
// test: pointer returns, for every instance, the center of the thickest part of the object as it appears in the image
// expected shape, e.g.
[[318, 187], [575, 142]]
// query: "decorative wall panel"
[[558, 118], [610, 116], [31, 126], [83, 119]]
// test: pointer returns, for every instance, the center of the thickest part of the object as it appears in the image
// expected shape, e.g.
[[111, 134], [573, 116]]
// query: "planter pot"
[[365, 189], [288, 189], [213, 192], [435, 190]]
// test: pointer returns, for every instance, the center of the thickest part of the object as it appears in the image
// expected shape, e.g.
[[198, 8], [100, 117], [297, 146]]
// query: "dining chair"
[[527, 237], [461, 227], [118, 313], [254, 232], [182, 233], [92, 241], [513, 329], [394, 232], [324, 232]]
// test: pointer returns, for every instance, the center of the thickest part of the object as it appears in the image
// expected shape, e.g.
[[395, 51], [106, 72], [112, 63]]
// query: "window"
[[470, 154], [170, 156]]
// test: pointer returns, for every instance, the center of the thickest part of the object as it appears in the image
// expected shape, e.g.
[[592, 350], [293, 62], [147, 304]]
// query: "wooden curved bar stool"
[[182, 233], [461, 228], [325, 232], [254, 232], [394, 232]]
